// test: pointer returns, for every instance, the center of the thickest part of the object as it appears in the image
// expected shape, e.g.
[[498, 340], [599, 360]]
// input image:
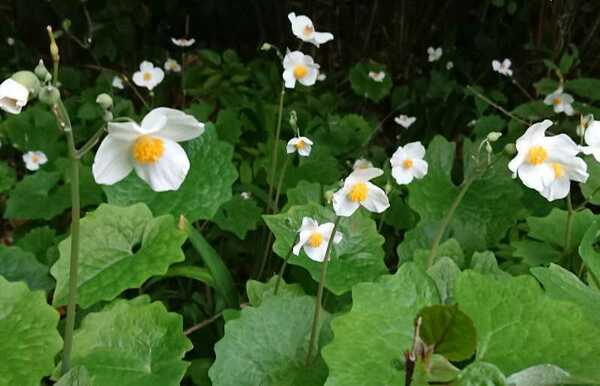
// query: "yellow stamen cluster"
[[537, 155], [300, 71], [556, 101], [407, 164], [359, 192], [315, 239], [147, 150], [147, 76], [300, 144], [309, 29]]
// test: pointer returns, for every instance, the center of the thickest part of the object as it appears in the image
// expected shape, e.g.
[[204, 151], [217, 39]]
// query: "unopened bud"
[[66, 24], [488, 148], [329, 196], [388, 188], [266, 47], [494, 136], [510, 149], [105, 101], [293, 119], [41, 71], [28, 80], [49, 95], [53, 47]]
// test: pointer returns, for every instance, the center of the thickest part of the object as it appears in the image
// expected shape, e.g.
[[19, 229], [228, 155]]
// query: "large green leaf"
[[489, 207], [206, 187], [364, 86], [585, 87], [481, 374], [16, 265], [239, 216], [77, 376], [518, 326], [589, 252], [370, 341], [121, 247], [132, 343], [358, 257], [8, 177], [551, 229], [29, 339], [258, 291], [267, 345], [591, 188]]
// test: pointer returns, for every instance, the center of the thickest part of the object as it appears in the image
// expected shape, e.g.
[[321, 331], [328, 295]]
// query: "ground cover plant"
[[290, 213]]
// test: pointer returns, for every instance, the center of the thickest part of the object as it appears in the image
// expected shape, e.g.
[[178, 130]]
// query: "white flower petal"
[[172, 124], [113, 161], [558, 189], [125, 131], [376, 201], [146, 66], [419, 168], [322, 37], [342, 205], [13, 96], [592, 134], [402, 176], [316, 254], [169, 172], [289, 78], [365, 174], [414, 150]]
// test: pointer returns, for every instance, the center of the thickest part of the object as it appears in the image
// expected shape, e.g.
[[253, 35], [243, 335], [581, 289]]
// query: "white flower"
[[404, 120], [13, 96], [10, 41], [434, 54], [377, 76], [561, 101], [117, 82], [502, 67], [148, 76], [321, 77], [408, 163], [183, 42], [584, 123], [246, 195], [299, 67], [314, 238], [150, 148], [592, 139], [302, 145], [304, 30], [547, 164], [362, 163], [358, 191], [172, 65], [34, 159], [449, 65]]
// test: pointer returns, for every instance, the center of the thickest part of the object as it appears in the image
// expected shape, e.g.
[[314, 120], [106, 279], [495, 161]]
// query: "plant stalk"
[[569, 226], [283, 266], [279, 184], [274, 150]]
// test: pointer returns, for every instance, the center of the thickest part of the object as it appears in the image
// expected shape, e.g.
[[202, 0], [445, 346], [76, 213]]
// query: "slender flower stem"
[[497, 106], [315, 322], [588, 200], [89, 145], [569, 227], [279, 184], [283, 266], [274, 150]]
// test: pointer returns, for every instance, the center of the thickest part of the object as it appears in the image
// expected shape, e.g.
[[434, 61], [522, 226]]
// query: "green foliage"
[[239, 216], [365, 86], [18, 265]]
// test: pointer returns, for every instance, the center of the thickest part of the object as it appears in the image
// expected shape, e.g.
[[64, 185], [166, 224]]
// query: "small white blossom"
[[299, 67], [449, 65], [405, 121], [377, 76], [246, 195], [502, 67], [34, 159], [321, 77], [148, 76], [358, 191], [302, 145], [314, 238], [408, 163], [10, 41], [592, 139], [117, 82], [304, 30], [362, 163], [560, 101], [182, 42], [13, 96], [434, 54], [172, 65]]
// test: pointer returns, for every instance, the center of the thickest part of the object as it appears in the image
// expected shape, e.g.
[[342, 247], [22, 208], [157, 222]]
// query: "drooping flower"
[[592, 139], [434, 54], [299, 67], [408, 163], [304, 30], [358, 191], [314, 238], [117, 82], [183, 42], [150, 148], [561, 102], [377, 76], [13, 96], [172, 65], [502, 67], [148, 76], [302, 145], [362, 163], [584, 123], [547, 164], [405, 121], [34, 159]]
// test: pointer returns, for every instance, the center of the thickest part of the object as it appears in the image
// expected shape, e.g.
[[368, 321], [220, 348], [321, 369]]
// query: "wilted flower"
[[314, 238], [434, 54], [299, 67], [561, 102], [302, 145], [592, 139], [408, 163], [13, 96], [377, 76], [148, 76], [150, 148], [358, 191], [34, 159], [304, 30], [172, 65], [117, 82], [182, 42], [502, 67], [547, 164], [362, 163], [404, 120]]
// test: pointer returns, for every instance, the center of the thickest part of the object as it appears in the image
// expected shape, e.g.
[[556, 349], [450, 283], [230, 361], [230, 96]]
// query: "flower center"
[[559, 171], [148, 150], [537, 155], [407, 163], [147, 76], [309, 29], [300, 71], [300, 145], [315, 239], [556, 101], [35, 159], [359, 192]]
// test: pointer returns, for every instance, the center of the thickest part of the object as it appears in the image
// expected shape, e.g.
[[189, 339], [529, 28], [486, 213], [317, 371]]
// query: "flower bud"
[[293, 119], [28, 80], [41, 71], [49, 95], [510, 149], [388, 188], [329, 196], [66, 24], [494, 136], [488, 148], [105, 101], [266, 47], [108, 116]]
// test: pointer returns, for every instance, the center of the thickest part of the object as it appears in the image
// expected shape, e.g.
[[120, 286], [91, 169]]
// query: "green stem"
[[569, 227], [588, 200], [283, 266], [274, 150], [448, 218], [279, 184], [315, 322], [89, 145]]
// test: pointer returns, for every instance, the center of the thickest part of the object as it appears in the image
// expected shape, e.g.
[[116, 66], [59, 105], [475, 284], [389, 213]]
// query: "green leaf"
[[8, 177], [132, 343], [200, 274], [229, 125], [591, 188], [345, 134], [535, 253], [449, 248], [489, 207], [546, 375], [481, 374], [357, 258], [518, 326], [449, 331], [37, 196], [258, 291], [239, 216], [206, 187], [588, 250], [584, 87], [546, 86], [29, 338], [267, 345], [198, 371], [304, 193], [486, 264], [444, 273], [370, 340], [77, 376], [551, 229], [489, 123], [38, 241], [121, 247], [18, 265], [366, 87]]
